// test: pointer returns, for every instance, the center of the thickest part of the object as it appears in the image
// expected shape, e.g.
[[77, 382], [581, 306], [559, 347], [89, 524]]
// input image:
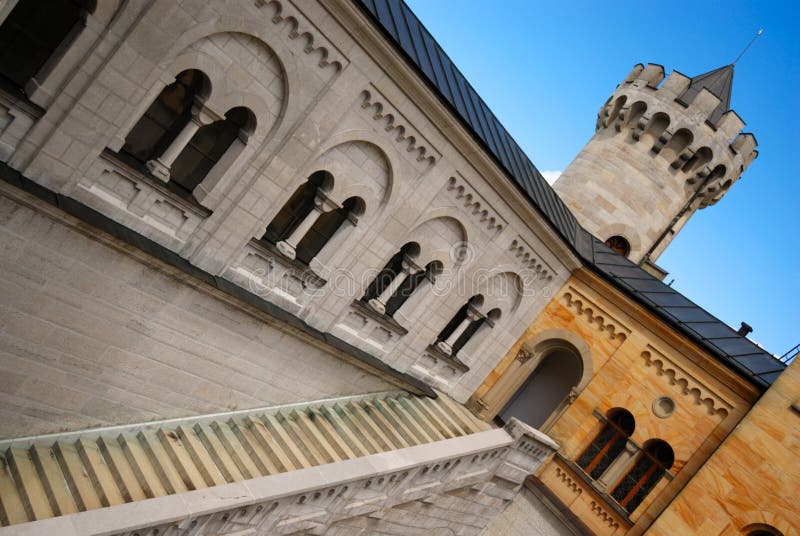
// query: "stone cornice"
[[383, 53], [638, 314]]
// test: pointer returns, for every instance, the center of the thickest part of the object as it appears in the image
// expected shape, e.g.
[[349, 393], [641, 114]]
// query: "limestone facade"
[[751, 481], [323, 93], [674, 391]]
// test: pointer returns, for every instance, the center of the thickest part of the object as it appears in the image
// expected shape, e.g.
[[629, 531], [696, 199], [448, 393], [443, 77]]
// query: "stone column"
[[407, 268], [615, 471], [446, 346], [160, 167], [288, 246]]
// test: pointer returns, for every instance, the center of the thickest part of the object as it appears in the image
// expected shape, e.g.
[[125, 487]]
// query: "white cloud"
[[551, 176]]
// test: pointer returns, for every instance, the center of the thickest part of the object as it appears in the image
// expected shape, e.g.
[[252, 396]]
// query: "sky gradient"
[[545, 68]]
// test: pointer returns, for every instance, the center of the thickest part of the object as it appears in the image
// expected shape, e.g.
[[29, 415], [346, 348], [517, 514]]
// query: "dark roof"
[[408, 34], [717, 337], [406, 31], [719, 82]]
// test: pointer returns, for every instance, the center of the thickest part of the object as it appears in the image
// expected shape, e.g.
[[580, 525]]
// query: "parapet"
[[672, 119]]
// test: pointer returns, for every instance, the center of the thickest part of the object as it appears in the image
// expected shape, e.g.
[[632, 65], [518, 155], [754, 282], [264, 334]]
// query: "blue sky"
[[545, 68]]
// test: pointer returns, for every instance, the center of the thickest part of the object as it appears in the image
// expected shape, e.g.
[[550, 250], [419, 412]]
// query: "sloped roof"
[[719, 82], [413, 40]]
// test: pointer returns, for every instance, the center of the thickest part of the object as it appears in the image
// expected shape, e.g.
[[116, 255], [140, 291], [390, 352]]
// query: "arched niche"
[[512, 374], [557, 373]]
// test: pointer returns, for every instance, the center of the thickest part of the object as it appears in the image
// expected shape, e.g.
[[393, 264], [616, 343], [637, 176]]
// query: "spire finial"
[[753, 40]]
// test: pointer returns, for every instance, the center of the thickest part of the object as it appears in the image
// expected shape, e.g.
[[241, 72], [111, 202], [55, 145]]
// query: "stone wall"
[[630, 361], [92, 335], [328, 94], [753, 479]]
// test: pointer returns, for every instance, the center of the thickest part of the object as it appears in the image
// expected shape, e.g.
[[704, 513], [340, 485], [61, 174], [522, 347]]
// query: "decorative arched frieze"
[[567, 480], [285, 14], [684, 383], [475, 205], [531, 260], [394, 122], [593, 314], [607, 519]]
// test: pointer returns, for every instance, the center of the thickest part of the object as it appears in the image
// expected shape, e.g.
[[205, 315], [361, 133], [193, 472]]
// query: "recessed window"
[[619, 244]]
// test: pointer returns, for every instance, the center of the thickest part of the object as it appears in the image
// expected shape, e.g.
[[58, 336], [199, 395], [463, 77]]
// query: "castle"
[[274, 267]]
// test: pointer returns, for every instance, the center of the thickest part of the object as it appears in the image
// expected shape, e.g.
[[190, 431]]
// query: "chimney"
[[744, 329]]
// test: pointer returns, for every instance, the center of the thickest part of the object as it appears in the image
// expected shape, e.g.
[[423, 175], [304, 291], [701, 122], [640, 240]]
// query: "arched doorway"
[[546, 389]]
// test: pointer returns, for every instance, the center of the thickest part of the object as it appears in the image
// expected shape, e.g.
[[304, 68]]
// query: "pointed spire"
[[719, 82]]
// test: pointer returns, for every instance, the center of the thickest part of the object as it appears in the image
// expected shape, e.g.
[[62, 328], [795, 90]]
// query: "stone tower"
[[660, 152]]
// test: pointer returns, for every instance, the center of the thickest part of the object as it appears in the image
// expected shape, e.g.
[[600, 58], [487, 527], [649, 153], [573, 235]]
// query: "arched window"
[[619, 244], [761, 529], [464, 324], [207, 146], [608, 444], [167, 116], [655, 459], [398, 280], [36, 32], [298, 207], [325, 226], [389, 273], [411, 284]]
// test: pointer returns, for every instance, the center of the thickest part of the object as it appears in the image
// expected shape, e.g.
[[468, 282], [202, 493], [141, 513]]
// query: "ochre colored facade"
[[630, 360], [753, 479]]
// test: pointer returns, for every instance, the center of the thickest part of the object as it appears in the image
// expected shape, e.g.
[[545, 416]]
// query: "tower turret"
[[660, 152]]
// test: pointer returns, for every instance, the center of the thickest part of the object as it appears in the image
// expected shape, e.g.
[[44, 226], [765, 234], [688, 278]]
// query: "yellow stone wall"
[[753, 478], [630, 359]]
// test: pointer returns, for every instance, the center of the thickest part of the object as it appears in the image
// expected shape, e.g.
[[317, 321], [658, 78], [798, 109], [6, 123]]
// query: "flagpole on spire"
[[753, 40]]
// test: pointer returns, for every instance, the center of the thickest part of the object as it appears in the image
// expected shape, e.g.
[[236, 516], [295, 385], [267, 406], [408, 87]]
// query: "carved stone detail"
[[523, 356], [530, 259], [567, 480], [607, 518], [394, 122], [595, 315], [301, 28], [684, 383], [475, 205]]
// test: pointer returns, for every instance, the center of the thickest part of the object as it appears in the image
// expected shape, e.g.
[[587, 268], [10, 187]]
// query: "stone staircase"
[[56, 475]]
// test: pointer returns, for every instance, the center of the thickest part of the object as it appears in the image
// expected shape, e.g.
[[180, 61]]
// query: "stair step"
[[373, 428], [461, 415], [145, 473], [444, 416], [372, 443], [181, 460], [388, 428], [269, 444], [219, 455], [303, 442], [29, 486], [398, 423], [286, 443], [111, 468], [121, 470], [250, 443], [341, 430], [99, 473], [200, 456], [236, 451], [76, 476], [55, 485], [160, 460], [411, 422], [422, 419], [12, 510]]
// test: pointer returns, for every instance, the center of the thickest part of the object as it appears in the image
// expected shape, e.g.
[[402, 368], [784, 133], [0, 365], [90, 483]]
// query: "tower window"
[[619, 244]]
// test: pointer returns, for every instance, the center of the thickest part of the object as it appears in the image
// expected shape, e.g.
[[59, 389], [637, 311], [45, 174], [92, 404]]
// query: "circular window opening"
[[619, 244], [663, 407]]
